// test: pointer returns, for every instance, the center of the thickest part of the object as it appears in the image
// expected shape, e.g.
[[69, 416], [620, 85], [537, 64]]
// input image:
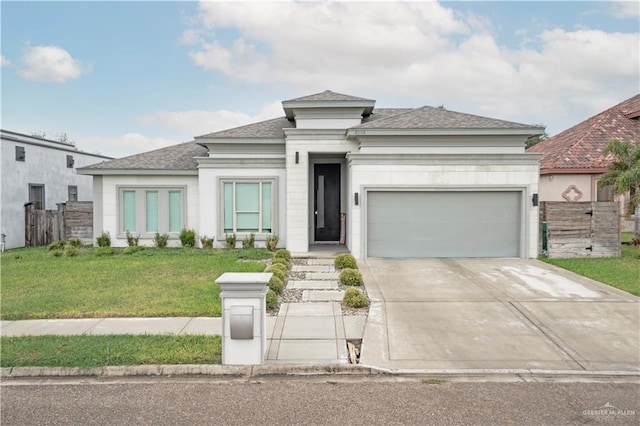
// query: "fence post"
[[62, 223]]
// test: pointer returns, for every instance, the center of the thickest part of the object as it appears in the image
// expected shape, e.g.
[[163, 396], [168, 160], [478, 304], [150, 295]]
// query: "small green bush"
[[132, 249], [70, 251], [207, 243], [279, 266], [277, 273], [350, 276], [345, 260], [276, 284], [160, 240], [249, 241], [104, 240], [230, 241], [74, 242], [104, 251], [188, 237], [282, 253], [132, 239], [56, 245], [272, 300], [354, 298], [57, 253], [271, 242], [281, 261]]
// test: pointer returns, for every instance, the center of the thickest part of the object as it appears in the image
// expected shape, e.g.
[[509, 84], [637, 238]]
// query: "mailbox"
[[241, 322]]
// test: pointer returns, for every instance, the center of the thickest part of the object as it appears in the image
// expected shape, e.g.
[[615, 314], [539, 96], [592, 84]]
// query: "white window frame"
[[260, 235], [141, 210]]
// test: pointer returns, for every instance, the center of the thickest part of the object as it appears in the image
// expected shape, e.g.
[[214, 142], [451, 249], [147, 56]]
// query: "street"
[[325, 400]]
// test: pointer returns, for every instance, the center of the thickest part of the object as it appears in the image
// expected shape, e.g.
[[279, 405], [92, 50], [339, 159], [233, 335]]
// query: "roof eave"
[[366, 105], [572, 171], [525, 131], [147, 172], [204, 141]]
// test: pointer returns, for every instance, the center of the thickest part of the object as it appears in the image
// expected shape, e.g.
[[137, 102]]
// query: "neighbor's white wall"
[[110, 203], [43, 165], [209, 197], [423, 176]]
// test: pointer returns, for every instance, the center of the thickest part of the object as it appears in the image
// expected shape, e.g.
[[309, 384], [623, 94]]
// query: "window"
[[248, 206], [73, 192], [151, 210], [70, 162], [20, 154], [36, 195]]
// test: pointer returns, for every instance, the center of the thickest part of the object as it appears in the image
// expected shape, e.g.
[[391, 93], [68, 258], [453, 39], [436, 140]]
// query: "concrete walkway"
[[312, 330]]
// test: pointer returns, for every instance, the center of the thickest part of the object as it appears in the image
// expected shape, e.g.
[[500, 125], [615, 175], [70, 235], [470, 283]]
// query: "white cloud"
[[51, 63], [4, 62], [197, 122], [127, 144], [625, 9], [422, 51]]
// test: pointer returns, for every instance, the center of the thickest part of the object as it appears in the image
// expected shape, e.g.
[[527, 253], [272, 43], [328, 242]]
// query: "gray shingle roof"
[[265, 129], [328, 95], [174, 157], [436, 118]]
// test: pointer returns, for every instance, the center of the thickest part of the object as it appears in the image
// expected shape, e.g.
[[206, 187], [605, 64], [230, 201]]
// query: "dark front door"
[[326, 184]]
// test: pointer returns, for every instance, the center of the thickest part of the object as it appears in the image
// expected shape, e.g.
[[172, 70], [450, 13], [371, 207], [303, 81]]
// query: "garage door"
[[443, 224]]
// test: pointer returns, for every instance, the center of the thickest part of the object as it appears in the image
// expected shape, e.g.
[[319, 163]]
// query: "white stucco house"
[[41, 171], [405, 182]]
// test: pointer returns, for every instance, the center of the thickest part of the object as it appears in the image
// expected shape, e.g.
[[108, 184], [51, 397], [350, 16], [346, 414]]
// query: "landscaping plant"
[[350, 276], [345, 260], [281, 261], [132, 240], [160, 240], [249, 241], [276, 284], [271, 301], [272, 242], [207, 243], [188, 237], [282, 253], [277, 273], [354, 298], [230, 241], [104, 240]]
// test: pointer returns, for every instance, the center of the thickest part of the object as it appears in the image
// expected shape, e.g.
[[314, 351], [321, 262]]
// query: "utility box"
[[244, 317]]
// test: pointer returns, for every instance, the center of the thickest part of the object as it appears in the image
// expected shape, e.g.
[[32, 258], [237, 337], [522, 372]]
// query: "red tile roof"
[[579, 148]]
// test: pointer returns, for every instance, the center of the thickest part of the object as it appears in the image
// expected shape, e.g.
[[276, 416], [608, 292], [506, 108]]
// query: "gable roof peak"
[[328, 96]]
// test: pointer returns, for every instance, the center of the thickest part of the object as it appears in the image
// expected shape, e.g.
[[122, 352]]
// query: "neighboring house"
[[572, 161], [409, 182], [41, 171]]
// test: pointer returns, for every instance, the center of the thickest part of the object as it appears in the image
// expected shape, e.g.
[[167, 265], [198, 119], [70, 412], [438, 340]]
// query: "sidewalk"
[[311, 330]]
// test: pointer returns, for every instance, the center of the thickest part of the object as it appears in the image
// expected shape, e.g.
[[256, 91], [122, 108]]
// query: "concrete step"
[[312, 268], [322, 276], [322, 295], [313, 284]]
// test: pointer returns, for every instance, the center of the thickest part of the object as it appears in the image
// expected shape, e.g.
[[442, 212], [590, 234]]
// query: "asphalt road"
[[183, 401]]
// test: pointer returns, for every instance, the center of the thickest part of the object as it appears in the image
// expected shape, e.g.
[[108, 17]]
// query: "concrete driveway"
[[495, 314]]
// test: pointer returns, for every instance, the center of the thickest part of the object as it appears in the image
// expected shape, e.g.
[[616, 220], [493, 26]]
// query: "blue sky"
[[125, 77]]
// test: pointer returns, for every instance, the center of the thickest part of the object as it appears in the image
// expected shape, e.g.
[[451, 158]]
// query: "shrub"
[[281, 261], [271, 243], [132, 249], [249, 241], [230, 241], [104, 240], [276, 284], [56, 245], [272, 300], [104, 251], [279, 266], [57, 253], [160, 240], [354, 298], [188, 237], [350, 276], [74, 242], [132, 239], [283, 254], [277, 273], [207, 243], [70, 251], [345, 260]]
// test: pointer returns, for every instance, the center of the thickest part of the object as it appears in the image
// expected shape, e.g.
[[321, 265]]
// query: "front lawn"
[[151, 283], [99, 351], [620, 272]]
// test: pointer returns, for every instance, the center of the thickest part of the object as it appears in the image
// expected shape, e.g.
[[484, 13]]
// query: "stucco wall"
[[109, 199], [43, 165], [403, 174], [552, 187]]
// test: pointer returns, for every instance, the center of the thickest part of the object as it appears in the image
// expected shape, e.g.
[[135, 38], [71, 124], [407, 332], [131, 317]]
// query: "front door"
[[326, 185]]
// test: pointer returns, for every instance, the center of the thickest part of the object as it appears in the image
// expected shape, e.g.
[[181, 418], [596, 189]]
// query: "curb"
[[307, 370]]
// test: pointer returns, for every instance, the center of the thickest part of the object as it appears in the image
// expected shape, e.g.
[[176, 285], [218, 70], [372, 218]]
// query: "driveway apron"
[[495, 314]]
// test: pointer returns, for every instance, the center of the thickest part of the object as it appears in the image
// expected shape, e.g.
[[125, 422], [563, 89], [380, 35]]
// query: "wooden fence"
[[580, 229], [73, 219]]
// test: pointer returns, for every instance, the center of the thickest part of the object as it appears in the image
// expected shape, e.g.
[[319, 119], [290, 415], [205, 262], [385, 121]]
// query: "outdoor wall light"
[[534, 200], [297, 157], [355, 198]]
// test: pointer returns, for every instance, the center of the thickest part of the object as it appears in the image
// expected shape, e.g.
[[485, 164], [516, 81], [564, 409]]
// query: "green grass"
[[155, 282], [620, 272], [97, 351]]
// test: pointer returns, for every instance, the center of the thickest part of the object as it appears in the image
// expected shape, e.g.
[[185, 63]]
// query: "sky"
[[119, 78]]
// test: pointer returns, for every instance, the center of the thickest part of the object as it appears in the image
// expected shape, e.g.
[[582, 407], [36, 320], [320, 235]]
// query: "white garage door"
[[443, 224]]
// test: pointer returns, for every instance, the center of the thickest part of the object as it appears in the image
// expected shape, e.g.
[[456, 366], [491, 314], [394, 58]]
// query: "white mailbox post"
[[244, 317]]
